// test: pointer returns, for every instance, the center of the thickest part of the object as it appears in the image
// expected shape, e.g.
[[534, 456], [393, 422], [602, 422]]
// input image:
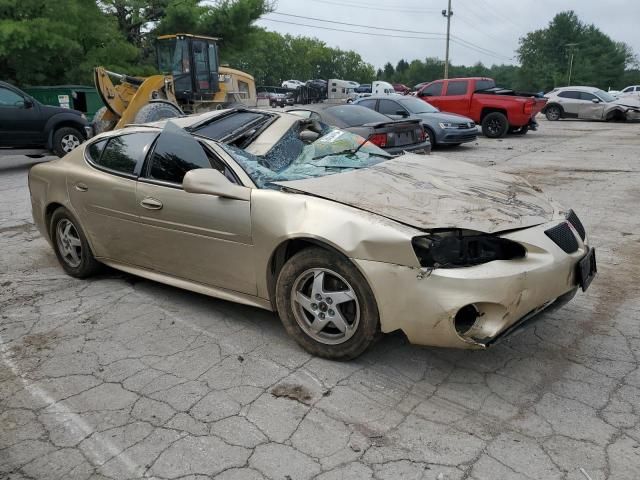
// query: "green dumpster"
[[79, 97]]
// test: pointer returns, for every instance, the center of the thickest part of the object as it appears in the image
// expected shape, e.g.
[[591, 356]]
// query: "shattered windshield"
[[291, 159]]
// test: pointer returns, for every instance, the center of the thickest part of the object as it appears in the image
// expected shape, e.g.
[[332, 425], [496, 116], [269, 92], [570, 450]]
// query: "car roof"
[[579, 88], [393, 96]]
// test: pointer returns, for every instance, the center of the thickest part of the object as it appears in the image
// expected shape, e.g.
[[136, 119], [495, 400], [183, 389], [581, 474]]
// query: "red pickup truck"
[[499, 111]]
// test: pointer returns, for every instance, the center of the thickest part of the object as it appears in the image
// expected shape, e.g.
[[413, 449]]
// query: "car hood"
[[427, 191], [443, 117]]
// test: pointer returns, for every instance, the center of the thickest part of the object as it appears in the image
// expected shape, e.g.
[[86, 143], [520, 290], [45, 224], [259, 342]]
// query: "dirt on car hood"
[[428, 191]]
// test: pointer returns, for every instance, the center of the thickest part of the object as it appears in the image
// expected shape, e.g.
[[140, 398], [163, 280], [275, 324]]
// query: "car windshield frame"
[[406, 102]]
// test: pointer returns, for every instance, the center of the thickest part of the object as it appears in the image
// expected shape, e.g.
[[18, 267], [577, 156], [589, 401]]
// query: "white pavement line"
[[73, 422]]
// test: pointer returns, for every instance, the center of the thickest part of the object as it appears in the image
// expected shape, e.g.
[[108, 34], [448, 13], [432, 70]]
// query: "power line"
[[479, 49], [350, 31], [356, 24], [369, 7], [439, 36]]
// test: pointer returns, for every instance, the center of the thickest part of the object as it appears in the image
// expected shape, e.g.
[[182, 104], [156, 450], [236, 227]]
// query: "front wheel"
[[553, 113], [71, 246], [326, 305], [65, 140], [495, 125]]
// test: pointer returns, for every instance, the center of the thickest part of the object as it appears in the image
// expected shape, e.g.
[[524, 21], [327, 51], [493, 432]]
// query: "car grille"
[[563, 237], [463, 126], [577, 224]]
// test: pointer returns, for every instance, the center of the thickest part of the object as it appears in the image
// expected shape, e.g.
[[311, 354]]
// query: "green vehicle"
[[83, 98]]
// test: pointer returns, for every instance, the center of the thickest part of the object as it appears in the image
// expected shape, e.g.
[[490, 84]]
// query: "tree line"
[[46, 43]]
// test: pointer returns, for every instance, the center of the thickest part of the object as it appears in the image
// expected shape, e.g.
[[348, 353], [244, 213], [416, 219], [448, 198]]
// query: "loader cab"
[[192, 60]]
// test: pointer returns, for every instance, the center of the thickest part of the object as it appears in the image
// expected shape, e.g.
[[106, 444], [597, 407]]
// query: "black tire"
[[495, 125], [66, 139], [553, 113], [152, 112], [366, 311], [87, 264], [100, 125], [431, 136]]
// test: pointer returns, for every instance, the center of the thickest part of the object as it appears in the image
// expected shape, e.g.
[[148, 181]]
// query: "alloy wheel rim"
[[69, 142], [69, 244], [494, 126], [325, 306]]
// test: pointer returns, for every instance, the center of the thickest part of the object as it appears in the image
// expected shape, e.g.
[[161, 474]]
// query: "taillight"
[[528, 107], [422, 135], [379, 139]]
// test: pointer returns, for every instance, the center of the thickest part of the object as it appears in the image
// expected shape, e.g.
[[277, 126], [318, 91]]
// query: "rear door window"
[[368, 103], [457, 87], [122, 154], [389, 107], [570, 94]]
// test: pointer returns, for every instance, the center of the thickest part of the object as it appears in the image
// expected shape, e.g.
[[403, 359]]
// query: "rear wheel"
[[65, 140], [326, 305], [495, 125], [152, 112], [553, 113], [71, 246]]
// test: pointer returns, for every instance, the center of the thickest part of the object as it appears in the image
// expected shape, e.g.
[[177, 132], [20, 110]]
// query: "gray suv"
[[589, 103]]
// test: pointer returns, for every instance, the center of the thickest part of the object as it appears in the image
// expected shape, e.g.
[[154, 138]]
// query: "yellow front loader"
[[192, 82]]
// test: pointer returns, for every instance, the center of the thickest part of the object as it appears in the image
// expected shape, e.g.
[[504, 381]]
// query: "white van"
[[340, 91]]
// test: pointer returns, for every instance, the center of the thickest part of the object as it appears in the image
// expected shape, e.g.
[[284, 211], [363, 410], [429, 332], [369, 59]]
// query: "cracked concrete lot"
[[118, 377]]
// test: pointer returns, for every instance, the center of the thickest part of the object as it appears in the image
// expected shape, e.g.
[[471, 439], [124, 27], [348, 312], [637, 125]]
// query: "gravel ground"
[[119, 377]]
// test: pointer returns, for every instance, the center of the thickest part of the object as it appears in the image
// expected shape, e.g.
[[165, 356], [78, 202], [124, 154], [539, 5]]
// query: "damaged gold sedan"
[[334, 234]]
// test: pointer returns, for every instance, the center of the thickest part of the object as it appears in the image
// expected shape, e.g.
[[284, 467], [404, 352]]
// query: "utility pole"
[[571, 47], [447, 14]]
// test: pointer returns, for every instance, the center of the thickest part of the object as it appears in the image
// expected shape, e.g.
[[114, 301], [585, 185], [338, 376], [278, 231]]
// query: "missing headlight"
[[463, 248]]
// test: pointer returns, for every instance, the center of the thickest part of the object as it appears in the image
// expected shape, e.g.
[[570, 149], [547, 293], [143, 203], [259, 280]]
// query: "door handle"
[[151, 203], [81, 187]]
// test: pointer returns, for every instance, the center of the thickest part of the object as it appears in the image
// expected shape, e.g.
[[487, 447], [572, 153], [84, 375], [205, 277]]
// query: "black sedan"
[[393, 136]]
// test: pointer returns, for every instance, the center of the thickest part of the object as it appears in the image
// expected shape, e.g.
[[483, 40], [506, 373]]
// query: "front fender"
[[278, 216]]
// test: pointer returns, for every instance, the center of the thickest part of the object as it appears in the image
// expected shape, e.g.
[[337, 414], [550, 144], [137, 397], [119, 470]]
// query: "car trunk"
[[398, 133]]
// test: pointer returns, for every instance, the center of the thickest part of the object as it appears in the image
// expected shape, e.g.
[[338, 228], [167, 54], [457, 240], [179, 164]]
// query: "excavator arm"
[[124, 100]]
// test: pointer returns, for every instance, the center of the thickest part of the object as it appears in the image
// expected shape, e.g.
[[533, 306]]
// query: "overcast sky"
[[482, 30]]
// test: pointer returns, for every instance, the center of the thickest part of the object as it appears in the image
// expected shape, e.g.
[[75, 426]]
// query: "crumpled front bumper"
[[505, 293]]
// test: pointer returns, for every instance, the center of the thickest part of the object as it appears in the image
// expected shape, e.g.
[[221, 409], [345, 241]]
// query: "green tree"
[[545, 55], [388, 72], [45, 42]]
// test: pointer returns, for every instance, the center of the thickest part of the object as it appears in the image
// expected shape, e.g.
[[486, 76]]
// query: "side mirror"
[[209, 181], [402, 113], [28, 103], [595, 100]]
